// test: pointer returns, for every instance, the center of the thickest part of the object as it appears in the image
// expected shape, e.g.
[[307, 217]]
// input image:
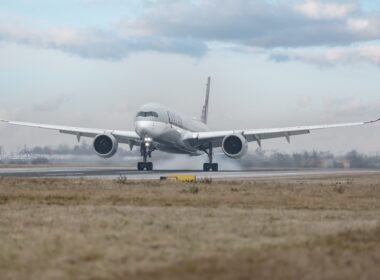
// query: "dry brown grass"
[[284, 228]]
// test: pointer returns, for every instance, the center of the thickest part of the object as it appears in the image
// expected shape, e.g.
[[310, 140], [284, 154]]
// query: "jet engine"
[[234, 145], [105, 145]]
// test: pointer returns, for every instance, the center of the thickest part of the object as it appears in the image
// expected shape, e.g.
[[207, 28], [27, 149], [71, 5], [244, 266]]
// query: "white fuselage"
[[167, 129]]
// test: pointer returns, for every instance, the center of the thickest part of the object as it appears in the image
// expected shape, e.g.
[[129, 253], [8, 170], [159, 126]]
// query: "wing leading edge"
[[216, 137], [127, 137]]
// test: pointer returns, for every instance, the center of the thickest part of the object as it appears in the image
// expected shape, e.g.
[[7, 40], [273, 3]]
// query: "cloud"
[[259, 23], [192, 27], [304, 101], [325, 10], [351, 106], [96, 43], [332, 56], [50, 105]]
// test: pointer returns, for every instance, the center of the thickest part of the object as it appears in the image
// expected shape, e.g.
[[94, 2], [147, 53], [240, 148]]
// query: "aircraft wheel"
[[207, 167], [140, 166], [149, 166], [215, 167]]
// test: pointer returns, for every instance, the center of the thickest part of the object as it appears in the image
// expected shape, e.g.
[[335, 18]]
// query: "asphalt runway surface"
[[113, 173]]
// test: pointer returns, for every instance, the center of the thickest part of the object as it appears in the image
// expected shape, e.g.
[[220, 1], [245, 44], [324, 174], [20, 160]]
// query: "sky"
[[273, 63]]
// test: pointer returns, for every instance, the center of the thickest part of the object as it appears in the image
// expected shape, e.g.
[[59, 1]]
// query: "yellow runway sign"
[[182, 178]]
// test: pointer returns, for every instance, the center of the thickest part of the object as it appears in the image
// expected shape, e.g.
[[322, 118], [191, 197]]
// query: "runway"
[[112, 173]]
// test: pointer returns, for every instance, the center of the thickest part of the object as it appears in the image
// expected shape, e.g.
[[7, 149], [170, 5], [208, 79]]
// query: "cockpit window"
[[147, 114]]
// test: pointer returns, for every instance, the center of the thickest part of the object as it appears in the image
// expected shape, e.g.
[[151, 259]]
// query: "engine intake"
[[105, 145], [234, 145]]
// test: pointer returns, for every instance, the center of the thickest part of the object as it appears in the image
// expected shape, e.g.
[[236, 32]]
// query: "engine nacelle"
[[234, 145], [105, 145]]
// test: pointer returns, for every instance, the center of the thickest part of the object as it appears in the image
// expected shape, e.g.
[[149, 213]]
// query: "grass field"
[[283, 228]]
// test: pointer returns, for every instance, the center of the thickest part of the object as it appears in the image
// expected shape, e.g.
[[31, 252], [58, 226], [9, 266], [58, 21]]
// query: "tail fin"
[[205, 106]]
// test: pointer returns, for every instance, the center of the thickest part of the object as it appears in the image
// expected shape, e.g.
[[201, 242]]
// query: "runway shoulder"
[[114, 172]]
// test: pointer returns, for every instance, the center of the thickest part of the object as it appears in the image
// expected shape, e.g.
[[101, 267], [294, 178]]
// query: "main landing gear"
[[210, 166], [146, 150]]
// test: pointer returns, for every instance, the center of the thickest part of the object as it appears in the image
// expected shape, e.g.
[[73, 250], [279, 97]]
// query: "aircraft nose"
[[143, 128]]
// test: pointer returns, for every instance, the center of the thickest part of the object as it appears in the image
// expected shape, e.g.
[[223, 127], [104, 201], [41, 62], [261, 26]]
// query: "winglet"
[[373, 121]]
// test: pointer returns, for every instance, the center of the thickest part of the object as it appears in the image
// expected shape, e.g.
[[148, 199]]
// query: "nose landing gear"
[[146, 150]]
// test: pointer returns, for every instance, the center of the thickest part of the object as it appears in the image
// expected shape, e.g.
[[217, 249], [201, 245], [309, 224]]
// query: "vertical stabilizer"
[[205, 106]]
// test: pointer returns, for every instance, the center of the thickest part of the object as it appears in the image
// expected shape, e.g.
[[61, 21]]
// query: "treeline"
[[62, 154], [253, 159], [314, 159], [77, 150]]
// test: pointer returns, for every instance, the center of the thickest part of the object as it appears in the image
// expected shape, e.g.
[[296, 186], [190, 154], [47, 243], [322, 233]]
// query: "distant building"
[[343, 164]]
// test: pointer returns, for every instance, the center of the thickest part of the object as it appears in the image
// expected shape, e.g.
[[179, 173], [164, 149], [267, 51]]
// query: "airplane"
[[160, 128]]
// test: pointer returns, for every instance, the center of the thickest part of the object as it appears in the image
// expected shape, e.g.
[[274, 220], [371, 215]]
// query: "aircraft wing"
[[201, 139], [127, 137]]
